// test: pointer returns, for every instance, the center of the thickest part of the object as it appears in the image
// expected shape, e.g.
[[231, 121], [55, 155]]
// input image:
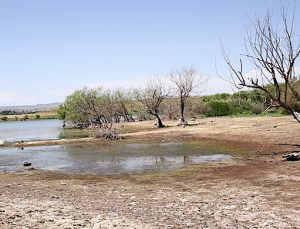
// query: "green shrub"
[[216, 97], [257, 108], [254, 96], [218, 108], [4, 118], [225, 108]]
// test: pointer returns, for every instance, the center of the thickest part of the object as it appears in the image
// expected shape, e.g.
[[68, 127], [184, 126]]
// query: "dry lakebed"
[[256, 188]]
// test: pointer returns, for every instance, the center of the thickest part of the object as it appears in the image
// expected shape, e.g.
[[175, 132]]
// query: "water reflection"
[[186, 159], [110, 159]]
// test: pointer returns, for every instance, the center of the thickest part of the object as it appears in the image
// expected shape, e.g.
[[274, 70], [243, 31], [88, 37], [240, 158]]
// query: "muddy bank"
[[215, 196], [263, 134], [51, 142]]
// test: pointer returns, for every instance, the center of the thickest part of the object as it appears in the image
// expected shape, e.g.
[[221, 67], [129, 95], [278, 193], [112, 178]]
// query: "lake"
[[30, 130], [110, 158], [36, 130]]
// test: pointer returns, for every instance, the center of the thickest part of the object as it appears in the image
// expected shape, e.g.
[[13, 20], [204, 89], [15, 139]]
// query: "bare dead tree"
[[152, 97], [170, 109], [272, 49], [186, 80]]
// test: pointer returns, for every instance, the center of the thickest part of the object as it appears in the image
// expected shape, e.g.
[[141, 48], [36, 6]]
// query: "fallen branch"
[[294, 156]]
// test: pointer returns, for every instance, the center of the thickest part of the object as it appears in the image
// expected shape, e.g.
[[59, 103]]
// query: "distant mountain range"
[[37, 107]]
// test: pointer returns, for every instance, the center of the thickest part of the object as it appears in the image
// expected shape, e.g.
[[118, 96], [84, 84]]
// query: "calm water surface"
[[37, 130], [110, 159], [30, 130]]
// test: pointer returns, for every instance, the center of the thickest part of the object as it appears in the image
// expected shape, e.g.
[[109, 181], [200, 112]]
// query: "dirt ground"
[[255, 190]]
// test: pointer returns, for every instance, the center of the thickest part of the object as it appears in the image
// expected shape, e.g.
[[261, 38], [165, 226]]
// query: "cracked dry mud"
[[206, 198], [249, 192]]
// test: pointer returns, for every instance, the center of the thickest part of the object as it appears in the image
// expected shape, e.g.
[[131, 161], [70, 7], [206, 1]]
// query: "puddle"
[[116, 158]]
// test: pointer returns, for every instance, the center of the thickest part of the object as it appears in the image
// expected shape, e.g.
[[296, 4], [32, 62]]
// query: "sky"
[[50, 48]]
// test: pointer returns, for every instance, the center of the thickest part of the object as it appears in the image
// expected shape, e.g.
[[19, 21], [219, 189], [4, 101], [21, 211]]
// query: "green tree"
[[89, 107]]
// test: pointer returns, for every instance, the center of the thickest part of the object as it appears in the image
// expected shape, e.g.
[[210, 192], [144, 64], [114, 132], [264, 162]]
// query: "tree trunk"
[[182, 111], [290, 110], [129, 118], [296, 115], [159, 122]]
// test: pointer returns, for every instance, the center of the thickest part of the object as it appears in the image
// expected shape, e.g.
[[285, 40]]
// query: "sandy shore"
[[256, 190]]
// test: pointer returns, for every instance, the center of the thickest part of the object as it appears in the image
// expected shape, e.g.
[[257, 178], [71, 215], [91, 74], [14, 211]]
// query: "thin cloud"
[[7, 98]]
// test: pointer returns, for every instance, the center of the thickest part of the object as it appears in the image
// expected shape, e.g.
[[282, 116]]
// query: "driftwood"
[[27, 163], [287, 144], [294, 156], [111, 136]]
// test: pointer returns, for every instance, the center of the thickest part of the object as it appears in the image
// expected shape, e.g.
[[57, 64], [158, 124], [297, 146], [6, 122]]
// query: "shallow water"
[[110, 159]]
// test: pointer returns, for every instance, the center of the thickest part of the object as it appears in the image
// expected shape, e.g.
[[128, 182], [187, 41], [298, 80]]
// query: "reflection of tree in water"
[[160, 160], [186, 159], [116, 160]]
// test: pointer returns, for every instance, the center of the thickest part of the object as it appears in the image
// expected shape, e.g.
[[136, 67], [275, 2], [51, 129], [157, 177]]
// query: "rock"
[[274, 126], [26, 163], [193, 119], [294, 156]]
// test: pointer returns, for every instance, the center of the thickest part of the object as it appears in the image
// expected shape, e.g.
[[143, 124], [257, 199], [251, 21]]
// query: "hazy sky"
[[49, 48]]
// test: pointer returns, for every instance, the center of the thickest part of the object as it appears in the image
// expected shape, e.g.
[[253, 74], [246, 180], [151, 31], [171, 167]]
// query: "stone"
[[26, 163], [294, 156]]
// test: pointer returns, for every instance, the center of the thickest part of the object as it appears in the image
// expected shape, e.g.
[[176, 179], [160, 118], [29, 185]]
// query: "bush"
[[37, 116], [197, 107], [224, 108], [254, 96], [216, 97], [218, 108], [257, 108], [4, 118]]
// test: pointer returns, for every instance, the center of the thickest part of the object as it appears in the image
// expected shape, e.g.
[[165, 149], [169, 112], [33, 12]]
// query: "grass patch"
[[30, 116]]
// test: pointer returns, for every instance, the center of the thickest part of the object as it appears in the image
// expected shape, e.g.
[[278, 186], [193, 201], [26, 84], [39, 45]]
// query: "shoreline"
[[248, 133], [258, 189]]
